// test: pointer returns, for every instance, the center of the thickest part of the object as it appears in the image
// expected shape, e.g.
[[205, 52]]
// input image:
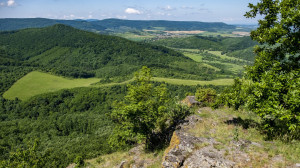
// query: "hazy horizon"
[[230, 11]]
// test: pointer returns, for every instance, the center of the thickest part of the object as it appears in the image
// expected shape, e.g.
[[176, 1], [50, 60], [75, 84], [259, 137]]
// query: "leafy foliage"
[[143, 113], [271, 86], [63, 121], [205, 95], [26, 158]]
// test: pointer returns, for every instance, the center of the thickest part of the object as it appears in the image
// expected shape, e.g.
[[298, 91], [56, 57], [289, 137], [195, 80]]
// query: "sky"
[[228, 11]]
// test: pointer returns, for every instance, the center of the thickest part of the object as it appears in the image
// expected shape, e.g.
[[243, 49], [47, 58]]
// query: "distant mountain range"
[[113, 24]]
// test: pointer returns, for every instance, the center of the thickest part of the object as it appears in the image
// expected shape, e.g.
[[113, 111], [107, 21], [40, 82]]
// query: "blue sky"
[[228, 11]]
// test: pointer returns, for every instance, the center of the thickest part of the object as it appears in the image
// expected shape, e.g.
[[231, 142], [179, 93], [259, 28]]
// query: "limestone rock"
[[180, 147], [183, 150], [207, 157]]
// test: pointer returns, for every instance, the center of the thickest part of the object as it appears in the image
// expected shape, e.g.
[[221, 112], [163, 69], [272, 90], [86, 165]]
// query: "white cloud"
[[90, 16], [11, 3], [133, 11]]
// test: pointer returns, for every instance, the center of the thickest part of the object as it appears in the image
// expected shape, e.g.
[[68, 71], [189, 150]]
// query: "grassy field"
[[229, 128], [217, 82], [154, 159], [135, 37], [224, 56], [35, 83], [229, 66], [193, 56], [198, 58]]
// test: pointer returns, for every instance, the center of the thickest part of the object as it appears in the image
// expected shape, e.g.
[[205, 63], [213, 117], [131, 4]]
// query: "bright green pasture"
[[198, 58], [35, 83], [193, 56], [217, 82], [224, 56], [229, 66]]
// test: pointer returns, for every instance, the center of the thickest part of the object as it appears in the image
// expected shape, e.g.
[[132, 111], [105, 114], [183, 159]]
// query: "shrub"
[[205, 95]]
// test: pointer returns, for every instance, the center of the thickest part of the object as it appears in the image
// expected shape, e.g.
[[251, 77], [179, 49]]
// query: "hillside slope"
[[210, 138], [71, 52]]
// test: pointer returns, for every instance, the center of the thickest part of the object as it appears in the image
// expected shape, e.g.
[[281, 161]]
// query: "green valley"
[[124, 91], [59, 84], [89, 90]]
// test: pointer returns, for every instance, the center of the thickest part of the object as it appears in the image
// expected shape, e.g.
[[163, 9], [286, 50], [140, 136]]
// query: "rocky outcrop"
[[207, 157], [191, 101], [184, 149], [180, 147]]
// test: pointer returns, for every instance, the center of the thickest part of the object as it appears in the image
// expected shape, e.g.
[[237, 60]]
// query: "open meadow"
[[35, 83]]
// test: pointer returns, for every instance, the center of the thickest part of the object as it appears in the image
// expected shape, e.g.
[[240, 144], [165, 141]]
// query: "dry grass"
[[246, 146], [141, 158], [236, 135]]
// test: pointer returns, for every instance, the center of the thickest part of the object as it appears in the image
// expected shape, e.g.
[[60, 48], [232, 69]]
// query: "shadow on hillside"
[[162, 139], [247, 123]]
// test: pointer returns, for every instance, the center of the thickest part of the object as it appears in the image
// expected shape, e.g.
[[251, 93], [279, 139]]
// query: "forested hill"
[[112, 24], [235, 47], [167, 25], [71, 52], [20, 23]]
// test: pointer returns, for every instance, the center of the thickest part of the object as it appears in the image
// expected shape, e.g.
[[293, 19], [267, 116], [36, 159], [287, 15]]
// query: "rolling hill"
[[112, 24], [73, 122], [166, 25], [71, 52], [237, 47]]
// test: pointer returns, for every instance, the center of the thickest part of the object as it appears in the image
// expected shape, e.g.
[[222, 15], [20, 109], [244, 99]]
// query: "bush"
[[205, 95], [145, 113], [276, 99]]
